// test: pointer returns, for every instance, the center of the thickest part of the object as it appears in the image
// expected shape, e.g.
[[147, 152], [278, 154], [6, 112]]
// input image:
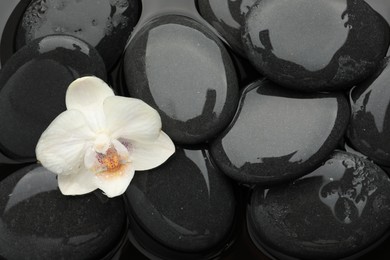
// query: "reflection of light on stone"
[[35, 182], [222, 12], [201, 163]]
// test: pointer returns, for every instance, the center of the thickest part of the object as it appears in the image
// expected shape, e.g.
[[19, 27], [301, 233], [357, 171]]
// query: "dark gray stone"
[[369, 129], [38, 222], [228, 18], [33, 84], [341, 209], [180, 68], [104, 24], [313, 45], [184, 209], [278, 134]]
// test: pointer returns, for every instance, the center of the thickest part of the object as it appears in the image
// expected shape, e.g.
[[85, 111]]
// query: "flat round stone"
[[104, 24], [38, 222], [228, 18], [341, 209], [278, 134], [180, 68], [369, 129], [33, 84], [185, 207], [314, 45]]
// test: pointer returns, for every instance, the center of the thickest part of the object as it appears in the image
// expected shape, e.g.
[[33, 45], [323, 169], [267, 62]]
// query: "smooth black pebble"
[[180, 68], [184, 209], [228, 18], [342, 209], [38, 222], [369, 129], [278, 134], [33, 84], [105, 24], [314, 45]]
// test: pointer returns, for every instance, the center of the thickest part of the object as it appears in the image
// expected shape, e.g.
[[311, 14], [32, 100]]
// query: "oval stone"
[[369, 129], [313, 45], [104, 24], [183, 209], [279, 135], [180, 68], [341, 209], [33, 84], [228, 18], [38, 222]]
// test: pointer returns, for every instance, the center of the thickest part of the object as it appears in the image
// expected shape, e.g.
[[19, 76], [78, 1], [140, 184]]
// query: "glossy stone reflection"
[[313, 44], [33, 85], [369, 131], [186, 205], [181, 69], [227, 17], [340, 209], [278, 135], [38, 222], [105, 24]]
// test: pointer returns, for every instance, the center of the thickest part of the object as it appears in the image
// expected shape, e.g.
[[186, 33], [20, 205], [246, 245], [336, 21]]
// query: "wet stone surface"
[[33, 84], [182, 70], [336, 211], [278, 135], [38, 222], [228, 18], [369, 130], [186, 205], [313, 45], [104, 24]]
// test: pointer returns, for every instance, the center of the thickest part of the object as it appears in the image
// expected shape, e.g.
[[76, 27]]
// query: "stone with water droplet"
[[105, 24], [184, 209], [332, 213], [369, 130], [228, 18], [314, 45], [38, 222], [180, 68], [278, 134], [33, 84]]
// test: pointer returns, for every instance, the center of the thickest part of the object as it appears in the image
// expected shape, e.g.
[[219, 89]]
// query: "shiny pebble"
[[314, 45], [369, 130], [104, 24], [180, 68], [38, 222], [186, 207], [33, 84], [278, 135], [341, 209]]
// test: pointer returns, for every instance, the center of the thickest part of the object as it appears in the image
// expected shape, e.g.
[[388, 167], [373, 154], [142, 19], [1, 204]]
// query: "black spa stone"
[[180, 68], [38, 222], [369, 129], [228, 18], [278, 134], [184, 209], [341, 209], [33, 84], [104, 24], [313, 45]]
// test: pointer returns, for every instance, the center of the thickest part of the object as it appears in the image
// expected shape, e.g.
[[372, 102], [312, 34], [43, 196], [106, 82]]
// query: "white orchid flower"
[[101, 140]]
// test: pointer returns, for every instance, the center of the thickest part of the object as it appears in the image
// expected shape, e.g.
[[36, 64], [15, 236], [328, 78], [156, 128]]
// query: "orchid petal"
[[62, 145], [116, 184], [87, 95], [148, 155], [131, 118], [79, 183]]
